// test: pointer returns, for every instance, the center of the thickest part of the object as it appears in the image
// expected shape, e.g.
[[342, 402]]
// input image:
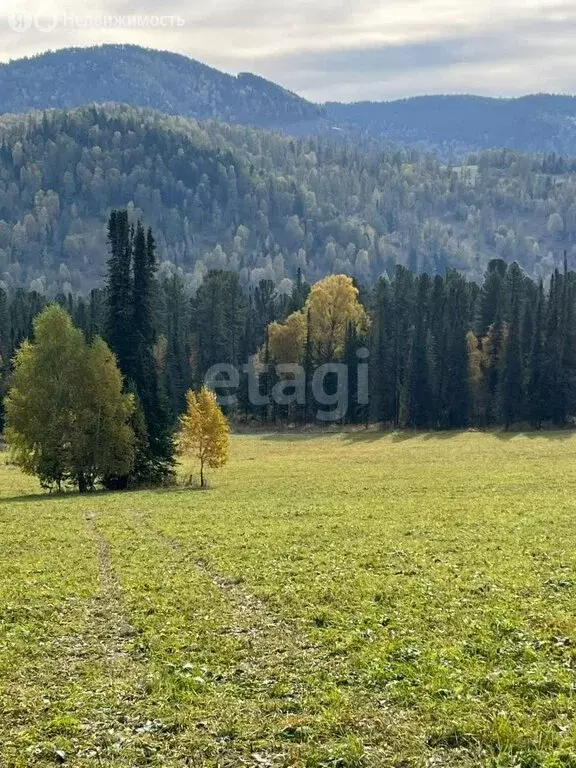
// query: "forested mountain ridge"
[[168, 82], [174, 84], [236, 198], [456, 125]]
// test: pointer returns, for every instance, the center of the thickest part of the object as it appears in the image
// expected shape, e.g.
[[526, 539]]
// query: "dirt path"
[[281, 681]]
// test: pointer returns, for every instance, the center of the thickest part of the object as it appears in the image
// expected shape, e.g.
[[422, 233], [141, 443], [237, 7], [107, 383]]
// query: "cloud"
[[335, 49]]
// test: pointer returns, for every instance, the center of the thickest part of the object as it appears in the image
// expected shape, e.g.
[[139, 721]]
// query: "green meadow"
[[336, 600]]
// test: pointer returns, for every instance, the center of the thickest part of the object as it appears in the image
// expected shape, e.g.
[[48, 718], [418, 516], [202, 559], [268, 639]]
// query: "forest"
[[238, 199], [439, 352]]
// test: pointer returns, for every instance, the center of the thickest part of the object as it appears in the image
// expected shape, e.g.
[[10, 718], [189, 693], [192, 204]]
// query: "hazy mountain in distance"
[[174, 84], [141, 77], [539, 123]]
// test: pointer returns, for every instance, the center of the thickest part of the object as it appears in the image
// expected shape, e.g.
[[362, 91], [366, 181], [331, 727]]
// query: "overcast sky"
[[332, 49]]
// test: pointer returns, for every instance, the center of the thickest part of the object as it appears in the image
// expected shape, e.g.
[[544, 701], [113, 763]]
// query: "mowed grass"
[[341, 600]]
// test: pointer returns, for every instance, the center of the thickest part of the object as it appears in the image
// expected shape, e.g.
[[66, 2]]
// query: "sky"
[[329, 50]]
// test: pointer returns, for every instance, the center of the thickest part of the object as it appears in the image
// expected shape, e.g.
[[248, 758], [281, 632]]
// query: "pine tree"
[[510, 405], [178, 375], [403, 296], [491, 296], [419, 391], [119, 325], [477, 385], [131, 333], [454, 397], [437, 341], [535, 396], [4, 350], [144, 370], [553, 353], [300, 294], [358, 409], [382, 375]]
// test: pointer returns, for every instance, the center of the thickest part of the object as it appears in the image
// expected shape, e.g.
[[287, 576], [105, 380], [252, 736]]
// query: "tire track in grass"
[[97, 709], [79, 695], [121, 724], [299, 704]]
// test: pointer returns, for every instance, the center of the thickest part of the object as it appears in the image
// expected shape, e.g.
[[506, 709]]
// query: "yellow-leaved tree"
[[332, 308], [288, 339], [334, 305], [204, 432]]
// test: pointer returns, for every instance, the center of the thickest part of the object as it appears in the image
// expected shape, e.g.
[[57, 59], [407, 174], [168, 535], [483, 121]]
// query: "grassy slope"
[[333, 601]]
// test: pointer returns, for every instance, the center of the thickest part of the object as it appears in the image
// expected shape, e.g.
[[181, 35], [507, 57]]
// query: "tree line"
[[440, 351]]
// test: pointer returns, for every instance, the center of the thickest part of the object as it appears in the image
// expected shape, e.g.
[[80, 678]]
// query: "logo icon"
[[20, 22]]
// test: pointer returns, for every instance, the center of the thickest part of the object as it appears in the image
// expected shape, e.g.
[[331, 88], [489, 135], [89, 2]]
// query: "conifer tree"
[[177, 375], [510, 383], [553, 353], [535, 395], [477, 386], [419, 390], [145, 373], [382, 381], [454, 402], [510, 406], [4, 350], [119, 327], [490, 302], [131, 332]]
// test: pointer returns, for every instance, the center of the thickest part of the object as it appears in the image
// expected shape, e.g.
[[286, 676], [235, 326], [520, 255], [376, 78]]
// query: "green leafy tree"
[[67, 419]]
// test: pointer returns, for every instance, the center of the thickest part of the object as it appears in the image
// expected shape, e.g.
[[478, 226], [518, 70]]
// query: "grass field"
[[332, 601]]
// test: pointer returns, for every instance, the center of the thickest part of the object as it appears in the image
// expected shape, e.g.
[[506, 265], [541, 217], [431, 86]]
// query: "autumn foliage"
[[332, 308], [204, 432]]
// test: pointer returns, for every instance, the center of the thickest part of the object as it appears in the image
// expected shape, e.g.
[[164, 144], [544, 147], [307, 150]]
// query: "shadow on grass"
[[534, 434], [401, 436], [75, 495], [58, 496]]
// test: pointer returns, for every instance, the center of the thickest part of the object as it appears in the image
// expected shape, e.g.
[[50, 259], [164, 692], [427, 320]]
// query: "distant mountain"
[[461, 124], [167, 82], [452, 126]]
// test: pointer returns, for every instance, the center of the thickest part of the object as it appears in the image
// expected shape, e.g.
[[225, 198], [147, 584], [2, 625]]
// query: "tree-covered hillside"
[[142, 77], [233, 197], [451, 126], [456, 125]]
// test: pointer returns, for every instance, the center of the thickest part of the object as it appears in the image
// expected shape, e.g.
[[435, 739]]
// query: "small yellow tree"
[[204, 432]]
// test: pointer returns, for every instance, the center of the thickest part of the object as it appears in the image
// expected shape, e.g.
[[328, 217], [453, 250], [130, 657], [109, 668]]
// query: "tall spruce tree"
[[553, 353], [510, 405], [130, 331], [119, 325], [454, 396], [382, 381], [145, 373], [510, 390], [418, 401], [535, 400]]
